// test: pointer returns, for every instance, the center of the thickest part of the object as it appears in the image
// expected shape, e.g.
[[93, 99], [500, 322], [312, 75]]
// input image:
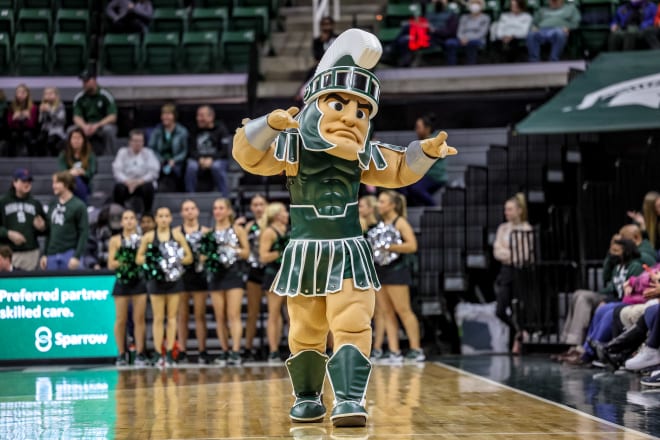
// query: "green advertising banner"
[[618, 92], [57, 317]]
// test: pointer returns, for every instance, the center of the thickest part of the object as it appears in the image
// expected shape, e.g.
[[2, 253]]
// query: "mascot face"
[[344, 123]]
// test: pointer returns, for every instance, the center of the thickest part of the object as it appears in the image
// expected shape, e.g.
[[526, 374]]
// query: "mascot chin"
[[327, 269]]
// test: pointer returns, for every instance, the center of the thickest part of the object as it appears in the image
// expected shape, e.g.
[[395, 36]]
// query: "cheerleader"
[[226, 277], [394, 298], [164, 285], [255, 279], [274, 226], [194, 284], [129, 287]]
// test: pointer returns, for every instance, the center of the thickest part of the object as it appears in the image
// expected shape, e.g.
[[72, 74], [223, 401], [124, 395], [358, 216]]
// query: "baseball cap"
[[23, 174], [87, 74]]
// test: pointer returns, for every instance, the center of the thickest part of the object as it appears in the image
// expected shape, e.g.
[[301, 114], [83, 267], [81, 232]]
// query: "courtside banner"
[[57, 317]]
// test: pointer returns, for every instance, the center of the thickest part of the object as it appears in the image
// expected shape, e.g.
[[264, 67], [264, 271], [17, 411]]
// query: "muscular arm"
[[407, 167], [254, 147]]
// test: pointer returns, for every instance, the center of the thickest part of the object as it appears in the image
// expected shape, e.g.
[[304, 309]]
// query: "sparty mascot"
[[327, 269]]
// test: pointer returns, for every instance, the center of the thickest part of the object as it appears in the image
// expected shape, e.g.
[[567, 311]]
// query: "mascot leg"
[[349, 313], [306, 366]]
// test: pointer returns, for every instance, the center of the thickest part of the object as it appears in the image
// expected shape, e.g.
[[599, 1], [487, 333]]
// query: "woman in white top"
[[511, 250], [511, 29]]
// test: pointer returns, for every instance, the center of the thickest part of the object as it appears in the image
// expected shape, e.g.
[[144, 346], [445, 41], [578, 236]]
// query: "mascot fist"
[[437, 147], [282, 119]]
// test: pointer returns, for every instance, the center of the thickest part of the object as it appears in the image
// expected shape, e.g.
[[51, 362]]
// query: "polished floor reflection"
[[408, 402], [615, 397]]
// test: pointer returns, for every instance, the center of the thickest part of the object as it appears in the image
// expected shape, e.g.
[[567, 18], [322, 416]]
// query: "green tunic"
[[326, 243]]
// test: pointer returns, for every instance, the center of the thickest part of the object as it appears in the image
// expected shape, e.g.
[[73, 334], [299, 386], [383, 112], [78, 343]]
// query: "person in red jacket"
[[22, 123]]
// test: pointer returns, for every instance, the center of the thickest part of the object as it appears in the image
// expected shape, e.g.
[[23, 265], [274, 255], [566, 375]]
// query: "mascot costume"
[[327, 269]]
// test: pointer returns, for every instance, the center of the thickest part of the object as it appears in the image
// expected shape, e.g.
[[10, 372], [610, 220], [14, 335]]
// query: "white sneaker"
[[645, 358], [393, 359]]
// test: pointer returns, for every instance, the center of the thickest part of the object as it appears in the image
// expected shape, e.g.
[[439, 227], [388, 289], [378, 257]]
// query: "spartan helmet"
[[343, 68]]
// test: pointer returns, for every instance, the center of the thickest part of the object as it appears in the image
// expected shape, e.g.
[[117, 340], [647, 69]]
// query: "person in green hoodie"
[[21, 221], [68, 227], [552, 24], [169, 140], [633, 233]]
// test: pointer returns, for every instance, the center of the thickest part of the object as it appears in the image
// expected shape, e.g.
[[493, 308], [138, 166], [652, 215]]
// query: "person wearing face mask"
[[629, 23], [471, 34], [584, 302]]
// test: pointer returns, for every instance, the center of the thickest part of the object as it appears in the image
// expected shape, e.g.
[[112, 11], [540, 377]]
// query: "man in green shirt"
[[22, 218], [68, 227], [552, 24], [95, 111]]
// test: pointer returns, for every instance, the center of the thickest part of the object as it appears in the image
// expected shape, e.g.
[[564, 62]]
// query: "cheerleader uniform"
[[232, 277], [129, 287], [397, 272], [256, 272], [155, 287], [273, 267], [194, 277]]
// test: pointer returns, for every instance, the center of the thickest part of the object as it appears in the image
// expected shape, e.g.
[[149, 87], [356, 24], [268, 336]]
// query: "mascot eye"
[[336, 105], [360, 114]]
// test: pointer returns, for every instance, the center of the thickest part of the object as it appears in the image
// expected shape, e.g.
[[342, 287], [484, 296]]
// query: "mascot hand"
[[282, 119], [437, 147]]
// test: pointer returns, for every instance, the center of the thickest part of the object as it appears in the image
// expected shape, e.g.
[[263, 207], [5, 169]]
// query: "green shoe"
[[349, 372], [307, 372]]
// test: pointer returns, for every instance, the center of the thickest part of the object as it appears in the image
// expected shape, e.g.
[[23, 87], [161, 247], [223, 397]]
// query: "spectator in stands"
[[52, 118], [68, 226], [22, 120], [512, 249], [95, 111], [4, 105], [169, 141], [130, 17], [629, 23], [79, 159], [651, 33], [6, 259], [319, 45], [552, 24], [421, 193], [443, 23], [208, 152], [647, 220], [147, 222], [22, 219], [511, 29], [136, 172], [600, 327], [471, 34], [646, 251], [584, 302]]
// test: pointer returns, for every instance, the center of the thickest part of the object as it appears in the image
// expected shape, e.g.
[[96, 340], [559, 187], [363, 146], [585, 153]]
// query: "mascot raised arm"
[[327, 269]]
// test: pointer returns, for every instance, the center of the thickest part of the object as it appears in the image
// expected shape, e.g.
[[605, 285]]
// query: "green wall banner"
[[618, 92], [58, 317]]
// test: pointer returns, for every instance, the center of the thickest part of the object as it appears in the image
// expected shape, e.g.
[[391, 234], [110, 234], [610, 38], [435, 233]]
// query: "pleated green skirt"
[[318, 267]]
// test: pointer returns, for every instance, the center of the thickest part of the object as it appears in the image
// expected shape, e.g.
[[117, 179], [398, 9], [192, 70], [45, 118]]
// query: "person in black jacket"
[[208, 152], [22, 219]]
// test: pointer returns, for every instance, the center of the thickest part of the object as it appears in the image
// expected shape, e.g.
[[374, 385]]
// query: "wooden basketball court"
[[429, 401]]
